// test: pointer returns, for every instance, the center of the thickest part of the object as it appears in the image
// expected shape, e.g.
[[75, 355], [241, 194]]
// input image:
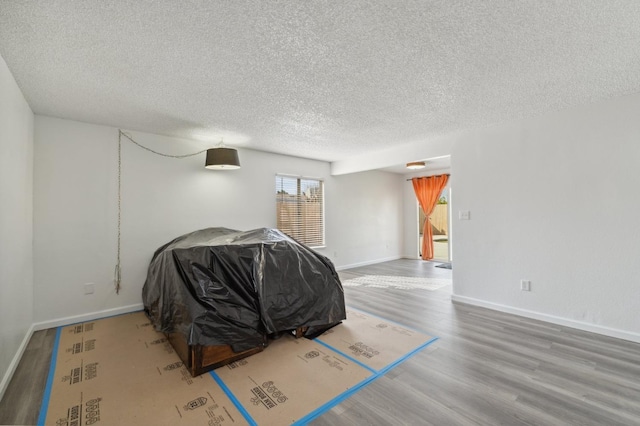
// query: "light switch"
[[464, 215]]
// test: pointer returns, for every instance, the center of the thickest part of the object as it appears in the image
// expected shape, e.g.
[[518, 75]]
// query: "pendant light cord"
[[117, 276], [121, 133]]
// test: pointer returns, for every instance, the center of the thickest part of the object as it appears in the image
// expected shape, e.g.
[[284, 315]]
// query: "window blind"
[[300, 209]]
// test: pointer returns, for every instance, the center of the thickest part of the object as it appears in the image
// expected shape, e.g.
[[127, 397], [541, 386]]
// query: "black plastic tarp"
[[219, 286]]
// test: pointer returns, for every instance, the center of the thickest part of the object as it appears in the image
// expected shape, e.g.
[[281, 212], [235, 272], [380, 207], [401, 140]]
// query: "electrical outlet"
[[89, 288], [525, 285]]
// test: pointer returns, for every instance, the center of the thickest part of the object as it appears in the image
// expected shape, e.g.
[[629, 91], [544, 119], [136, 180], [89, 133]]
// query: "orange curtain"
[[428, 191]]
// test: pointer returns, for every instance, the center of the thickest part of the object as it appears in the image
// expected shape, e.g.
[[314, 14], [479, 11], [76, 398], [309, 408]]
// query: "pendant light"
[[222, 158]]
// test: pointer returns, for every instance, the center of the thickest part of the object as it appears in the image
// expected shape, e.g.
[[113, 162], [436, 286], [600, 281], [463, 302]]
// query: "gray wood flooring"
[[487, 368]]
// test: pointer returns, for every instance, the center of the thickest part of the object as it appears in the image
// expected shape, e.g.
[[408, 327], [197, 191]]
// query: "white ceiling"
[[327, 80], [431, 166]]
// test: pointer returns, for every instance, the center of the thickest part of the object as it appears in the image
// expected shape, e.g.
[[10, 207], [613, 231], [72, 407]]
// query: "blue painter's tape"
[[47, 390], [343, 396], [304, 420], [317, 340], [233, 399], [376, 374], [335, 401], [407, 356]]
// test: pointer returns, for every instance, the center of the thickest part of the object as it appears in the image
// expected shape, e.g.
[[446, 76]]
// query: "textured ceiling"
[[326, 80]]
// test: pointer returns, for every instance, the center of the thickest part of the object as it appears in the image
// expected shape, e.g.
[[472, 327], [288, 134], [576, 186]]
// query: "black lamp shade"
[[222, 159]]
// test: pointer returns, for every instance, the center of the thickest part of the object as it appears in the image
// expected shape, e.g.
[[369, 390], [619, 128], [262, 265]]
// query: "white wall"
[[554, 200], [365, 218], [396, 154], [75, 211], [16, 223]]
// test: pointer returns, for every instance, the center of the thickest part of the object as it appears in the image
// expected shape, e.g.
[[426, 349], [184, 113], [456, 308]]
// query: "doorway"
[[439, 226]]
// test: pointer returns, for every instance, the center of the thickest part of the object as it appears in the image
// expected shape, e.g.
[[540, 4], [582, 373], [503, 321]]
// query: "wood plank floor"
[[487, 368]]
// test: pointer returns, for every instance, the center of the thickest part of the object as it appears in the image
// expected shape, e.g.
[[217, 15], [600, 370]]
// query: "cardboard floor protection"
[[119, 370], [373, 341]]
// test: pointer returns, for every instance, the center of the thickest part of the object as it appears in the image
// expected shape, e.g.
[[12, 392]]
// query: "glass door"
[[439, 226]]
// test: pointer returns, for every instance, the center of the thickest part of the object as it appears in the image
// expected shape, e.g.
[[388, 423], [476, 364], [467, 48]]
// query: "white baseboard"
[[15, 361], [57, 323], [580, 325], [368, 262], [406, 256], [87, 317]]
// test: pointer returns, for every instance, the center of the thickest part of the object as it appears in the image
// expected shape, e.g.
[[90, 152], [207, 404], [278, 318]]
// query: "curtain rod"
[[425, 177]]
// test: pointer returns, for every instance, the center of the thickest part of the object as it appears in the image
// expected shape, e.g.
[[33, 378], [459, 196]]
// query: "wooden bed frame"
[[199, 359]]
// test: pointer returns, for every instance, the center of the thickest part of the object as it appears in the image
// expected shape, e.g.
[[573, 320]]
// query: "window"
[[300, 209]]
